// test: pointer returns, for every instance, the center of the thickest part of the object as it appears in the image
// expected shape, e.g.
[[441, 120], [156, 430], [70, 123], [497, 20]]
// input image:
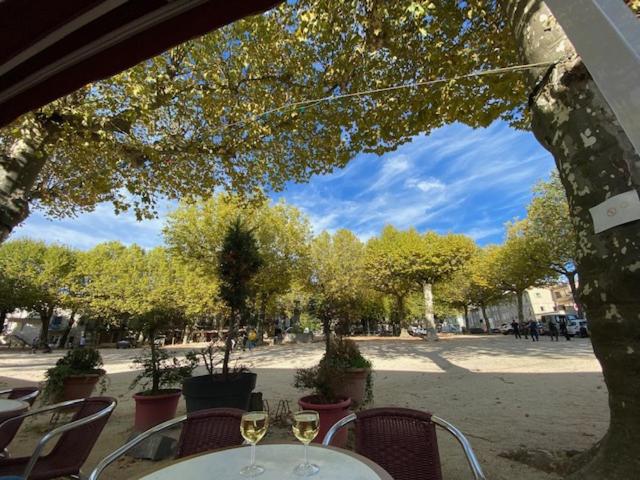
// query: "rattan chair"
[[202, 431], [403, 442], [77, 438]]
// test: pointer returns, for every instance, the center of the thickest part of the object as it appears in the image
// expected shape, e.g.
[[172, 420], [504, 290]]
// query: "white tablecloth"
[[278, 461], [12, 405]]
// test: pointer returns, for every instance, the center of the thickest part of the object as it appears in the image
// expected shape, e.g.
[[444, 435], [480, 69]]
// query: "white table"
[[278, 460], [9, 406]]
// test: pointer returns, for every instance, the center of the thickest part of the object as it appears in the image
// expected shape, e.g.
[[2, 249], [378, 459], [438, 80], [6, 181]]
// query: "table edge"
[[381, 472]]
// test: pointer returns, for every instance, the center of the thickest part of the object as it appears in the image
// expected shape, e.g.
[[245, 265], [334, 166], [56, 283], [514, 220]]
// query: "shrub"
[[161, 371], [81, 361], [326, 377]]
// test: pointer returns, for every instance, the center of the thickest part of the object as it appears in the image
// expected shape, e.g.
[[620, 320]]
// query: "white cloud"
[[479, 233], [88, 229], [390, 173], [457, 179]]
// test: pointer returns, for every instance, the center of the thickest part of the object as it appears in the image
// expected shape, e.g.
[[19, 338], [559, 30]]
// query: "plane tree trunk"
[[19, 170], [596, 161], [571, 277], [429, 317]]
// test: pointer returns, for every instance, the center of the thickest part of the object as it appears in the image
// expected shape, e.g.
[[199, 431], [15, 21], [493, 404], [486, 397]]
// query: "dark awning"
[[51, 48]]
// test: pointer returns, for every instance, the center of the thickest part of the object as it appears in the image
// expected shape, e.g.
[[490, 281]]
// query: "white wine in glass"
[[253, 427], [306, 424]]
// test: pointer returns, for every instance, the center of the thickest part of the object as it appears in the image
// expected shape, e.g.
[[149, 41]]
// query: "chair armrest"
[[64, 428], [30, 396], [337, 426], [478, 474], [113, 456], [38, 411]]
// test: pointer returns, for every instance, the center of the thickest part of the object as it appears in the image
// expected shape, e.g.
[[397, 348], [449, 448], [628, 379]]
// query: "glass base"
[[306, 469], [252, 471]]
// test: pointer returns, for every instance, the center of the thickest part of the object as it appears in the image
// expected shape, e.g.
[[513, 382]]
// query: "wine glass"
[[253, 426], [306, 424]]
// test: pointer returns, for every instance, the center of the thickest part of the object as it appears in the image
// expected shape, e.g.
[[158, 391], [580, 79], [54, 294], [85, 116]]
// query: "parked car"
[[128, 342], [417, 331], [574, 326], [573, 322], [506, 329]]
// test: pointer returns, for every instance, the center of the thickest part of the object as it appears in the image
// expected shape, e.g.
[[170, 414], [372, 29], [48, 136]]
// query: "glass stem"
[[253, 454], [306, 454]]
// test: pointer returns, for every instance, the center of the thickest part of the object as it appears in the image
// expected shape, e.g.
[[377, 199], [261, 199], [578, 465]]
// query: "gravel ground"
[[503, 393]]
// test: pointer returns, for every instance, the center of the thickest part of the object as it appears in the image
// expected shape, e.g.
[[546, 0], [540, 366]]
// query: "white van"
[[574, 325], [573, 322]]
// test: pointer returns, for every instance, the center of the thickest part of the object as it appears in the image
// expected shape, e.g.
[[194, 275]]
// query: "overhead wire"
[[330, 98]]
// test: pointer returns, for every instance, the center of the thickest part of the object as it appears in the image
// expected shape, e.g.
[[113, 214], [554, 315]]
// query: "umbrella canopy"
[[49, 49]]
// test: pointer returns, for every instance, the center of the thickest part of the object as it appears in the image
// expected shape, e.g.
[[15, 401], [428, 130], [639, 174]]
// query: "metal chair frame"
[[476, 469], [58, 430], [26, 398], [113, 456]]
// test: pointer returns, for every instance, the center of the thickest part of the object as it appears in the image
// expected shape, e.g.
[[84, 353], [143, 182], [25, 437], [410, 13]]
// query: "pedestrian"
[[83, 341], [516, 329], [553, 329], [524, 328], [251, 339], [563, 329], [533, 330]]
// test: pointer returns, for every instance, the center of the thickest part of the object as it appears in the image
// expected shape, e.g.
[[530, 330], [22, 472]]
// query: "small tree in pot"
[[238, 262], [74, 376], [341, 376], [160, 374]]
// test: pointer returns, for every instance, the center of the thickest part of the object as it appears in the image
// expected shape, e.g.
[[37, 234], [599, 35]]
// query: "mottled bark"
[[429, 317], [45, 318], [483, 309], [520, 307], [19, 169], [466, 316], [571, 277], [67, 331], [596, 161]]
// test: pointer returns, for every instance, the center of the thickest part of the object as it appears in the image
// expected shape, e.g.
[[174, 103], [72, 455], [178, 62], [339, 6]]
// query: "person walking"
[[251, 339], [533, 331], [563, 329], [553, 329], [524, 328], [516, 329]]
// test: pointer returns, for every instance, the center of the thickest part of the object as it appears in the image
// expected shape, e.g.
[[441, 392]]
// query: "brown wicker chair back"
[[22, 392], [210, 429], [400, 440], [71, 450]]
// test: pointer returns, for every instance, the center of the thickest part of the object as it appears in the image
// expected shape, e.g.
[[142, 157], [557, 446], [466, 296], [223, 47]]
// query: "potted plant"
[[214, 389], [355, 372], [158, 401], [238, 262], [74, 376], [337, 376]]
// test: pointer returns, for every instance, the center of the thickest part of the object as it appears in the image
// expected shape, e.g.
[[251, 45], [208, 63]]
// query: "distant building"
[[535, 302], [563, 298], [25, 326]]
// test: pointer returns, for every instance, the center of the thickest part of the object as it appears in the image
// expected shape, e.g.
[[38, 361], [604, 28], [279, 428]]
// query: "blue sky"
[[457, 179]]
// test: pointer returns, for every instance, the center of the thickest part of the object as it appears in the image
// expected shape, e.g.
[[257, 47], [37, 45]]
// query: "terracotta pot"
[[354, 385], [79, 386], [154, 409], [330, 413]]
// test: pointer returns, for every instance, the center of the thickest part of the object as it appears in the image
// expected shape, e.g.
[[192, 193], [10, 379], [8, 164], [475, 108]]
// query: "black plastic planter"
[[213, 391]]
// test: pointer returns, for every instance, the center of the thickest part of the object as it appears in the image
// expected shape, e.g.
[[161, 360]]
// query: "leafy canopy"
[[190, 120]]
